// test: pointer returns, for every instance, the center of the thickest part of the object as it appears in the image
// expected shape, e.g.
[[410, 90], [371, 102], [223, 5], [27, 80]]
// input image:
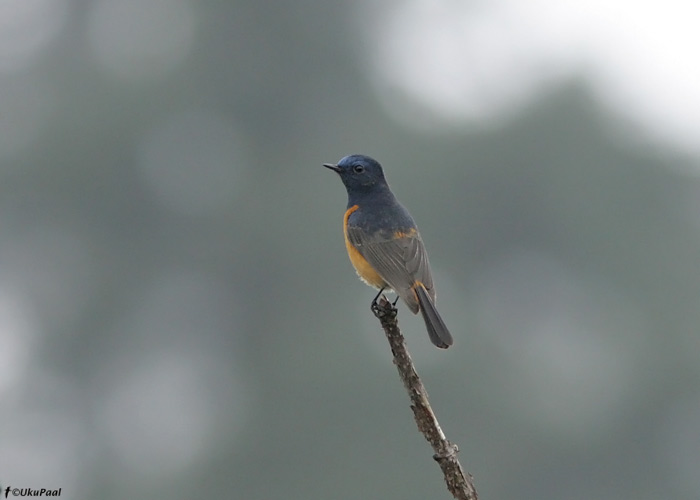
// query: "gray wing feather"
[[400, 262]]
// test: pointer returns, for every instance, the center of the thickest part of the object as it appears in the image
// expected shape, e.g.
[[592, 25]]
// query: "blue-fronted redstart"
[[384, 244]]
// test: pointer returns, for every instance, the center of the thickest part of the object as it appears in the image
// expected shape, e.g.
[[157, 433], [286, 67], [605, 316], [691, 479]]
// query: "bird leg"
[[374, 302]]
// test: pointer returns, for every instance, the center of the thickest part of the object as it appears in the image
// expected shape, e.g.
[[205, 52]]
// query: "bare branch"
[[459, 482]]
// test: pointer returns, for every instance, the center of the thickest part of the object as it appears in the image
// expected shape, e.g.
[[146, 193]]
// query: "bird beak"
[[332, 166]]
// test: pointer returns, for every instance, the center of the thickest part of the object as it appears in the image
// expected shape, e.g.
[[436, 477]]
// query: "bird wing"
[[400, 260]]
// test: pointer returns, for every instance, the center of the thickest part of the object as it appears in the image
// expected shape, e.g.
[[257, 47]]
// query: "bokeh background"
[[178, 318]]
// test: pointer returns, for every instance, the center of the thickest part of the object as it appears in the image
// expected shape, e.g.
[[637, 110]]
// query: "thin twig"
[[459, 482]]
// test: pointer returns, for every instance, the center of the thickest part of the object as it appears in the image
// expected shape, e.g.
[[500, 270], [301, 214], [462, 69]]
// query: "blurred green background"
[[178, 318]]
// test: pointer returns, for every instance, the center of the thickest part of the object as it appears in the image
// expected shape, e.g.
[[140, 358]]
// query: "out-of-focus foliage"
[[178, 318]]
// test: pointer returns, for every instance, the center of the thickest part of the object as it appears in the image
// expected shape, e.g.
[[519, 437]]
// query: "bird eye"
[[358, 169]]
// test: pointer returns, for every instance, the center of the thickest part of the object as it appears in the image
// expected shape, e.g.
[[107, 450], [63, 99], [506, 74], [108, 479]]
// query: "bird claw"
[[378, 304], [382, 307]]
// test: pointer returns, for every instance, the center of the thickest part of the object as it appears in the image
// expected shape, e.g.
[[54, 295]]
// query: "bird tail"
[[438, 332]]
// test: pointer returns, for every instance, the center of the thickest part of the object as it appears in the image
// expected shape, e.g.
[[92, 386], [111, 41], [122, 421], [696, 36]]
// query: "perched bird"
[[384, 244]]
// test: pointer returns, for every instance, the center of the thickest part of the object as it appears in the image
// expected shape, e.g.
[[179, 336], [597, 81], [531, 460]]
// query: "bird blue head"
[[359, 173]]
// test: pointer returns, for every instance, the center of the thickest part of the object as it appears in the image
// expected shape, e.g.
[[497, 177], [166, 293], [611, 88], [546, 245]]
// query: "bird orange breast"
[[364, 269]]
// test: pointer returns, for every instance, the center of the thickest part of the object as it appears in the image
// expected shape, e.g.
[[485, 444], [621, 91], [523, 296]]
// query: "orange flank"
[[363, 268], [408, 234]]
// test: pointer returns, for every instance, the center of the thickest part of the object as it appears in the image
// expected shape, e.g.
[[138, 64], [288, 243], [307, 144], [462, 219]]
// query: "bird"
[[384, 245]]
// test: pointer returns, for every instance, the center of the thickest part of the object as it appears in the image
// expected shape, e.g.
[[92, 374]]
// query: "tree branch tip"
[[383, 308]]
